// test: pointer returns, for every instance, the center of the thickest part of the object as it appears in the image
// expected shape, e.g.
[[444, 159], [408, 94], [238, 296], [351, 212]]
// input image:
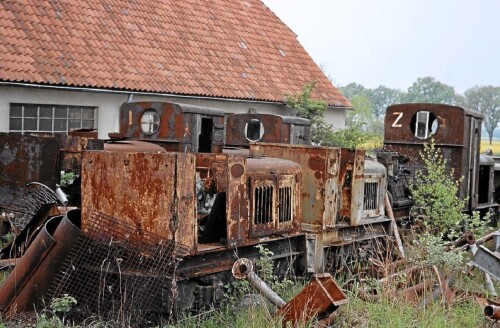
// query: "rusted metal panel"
[[71, 147], [244, 129], [320, 298], [320, 176], [400, 123], [177, 127], [155, 192], [357, 188], [236, 201], [351, 185], [25, 159]]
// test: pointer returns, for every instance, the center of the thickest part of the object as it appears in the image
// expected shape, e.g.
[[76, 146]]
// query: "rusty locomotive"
[[221, 185], [457, 132]]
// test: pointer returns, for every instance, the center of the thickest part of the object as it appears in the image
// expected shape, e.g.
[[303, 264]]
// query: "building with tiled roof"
[[67, 64]]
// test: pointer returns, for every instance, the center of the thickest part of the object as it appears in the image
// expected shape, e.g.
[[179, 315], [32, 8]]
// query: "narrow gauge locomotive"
[[303, 202], [457, 132]]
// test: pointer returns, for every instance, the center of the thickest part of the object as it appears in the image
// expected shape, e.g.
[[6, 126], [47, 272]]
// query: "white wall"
[[108, 105]]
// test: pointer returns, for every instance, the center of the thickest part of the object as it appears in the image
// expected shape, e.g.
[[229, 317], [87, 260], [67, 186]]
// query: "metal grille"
[[370, 201], [285, 204], [28, 203], [117, 272], [263, 204]]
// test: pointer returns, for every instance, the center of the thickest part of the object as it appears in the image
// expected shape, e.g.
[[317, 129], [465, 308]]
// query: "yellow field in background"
[[495, 146]]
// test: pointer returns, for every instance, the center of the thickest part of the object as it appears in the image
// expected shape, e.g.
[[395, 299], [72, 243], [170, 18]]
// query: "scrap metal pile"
[[113, 270], [423, 284]]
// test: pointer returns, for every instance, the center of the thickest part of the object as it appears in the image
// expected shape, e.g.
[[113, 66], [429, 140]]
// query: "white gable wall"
[[108, 104]]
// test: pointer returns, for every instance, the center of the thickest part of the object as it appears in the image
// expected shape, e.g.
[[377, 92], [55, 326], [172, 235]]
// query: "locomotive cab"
[[244, 129], [176, 127], [456, 131]]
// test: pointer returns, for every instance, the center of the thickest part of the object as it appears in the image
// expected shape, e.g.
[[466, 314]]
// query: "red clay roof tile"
[[218, 48]]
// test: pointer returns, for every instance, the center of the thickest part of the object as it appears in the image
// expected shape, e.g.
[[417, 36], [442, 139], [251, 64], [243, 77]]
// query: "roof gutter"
[[129, 93]]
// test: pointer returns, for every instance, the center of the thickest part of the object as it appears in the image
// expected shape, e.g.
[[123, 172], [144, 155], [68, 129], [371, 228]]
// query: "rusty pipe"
[[466, 238], [492, 311], [486, 238], [243, 269]]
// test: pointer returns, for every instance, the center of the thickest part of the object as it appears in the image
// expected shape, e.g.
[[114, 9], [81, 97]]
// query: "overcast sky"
[[393, 42]]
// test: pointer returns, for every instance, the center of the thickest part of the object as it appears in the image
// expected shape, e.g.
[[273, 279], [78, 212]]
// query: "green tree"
[[382, 97], [485, 100], [362, 113], [314, 110], [428, 90]]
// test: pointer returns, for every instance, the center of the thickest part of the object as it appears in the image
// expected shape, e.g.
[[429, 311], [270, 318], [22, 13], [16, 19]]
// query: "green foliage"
[[63, 304], [349, 137], [43, 321], [427, 250], [382, 97], [67, 178], [437, 204], [312, 109], [428, 90], [435, 193]]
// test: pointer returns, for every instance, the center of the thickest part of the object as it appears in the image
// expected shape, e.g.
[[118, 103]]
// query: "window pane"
[[30, 111], [87, 124], [61, 112], [45, 111], [87, 113], [45, 124], [15, 124], [16, 110], [30, 124], [60, 125], [74, 124], [75, 112]]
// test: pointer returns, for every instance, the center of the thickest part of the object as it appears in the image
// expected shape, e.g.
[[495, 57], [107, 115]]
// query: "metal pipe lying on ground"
[[486, 238], [466, 238], [492, 311], [243, 269]]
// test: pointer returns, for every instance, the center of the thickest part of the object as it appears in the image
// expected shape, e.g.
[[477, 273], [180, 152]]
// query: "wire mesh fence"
[[118, 273]]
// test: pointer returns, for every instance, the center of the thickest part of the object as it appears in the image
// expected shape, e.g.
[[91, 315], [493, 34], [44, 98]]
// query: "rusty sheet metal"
[[72, 145], [25, 159], [320, 176], [236, 204], [400, 123], [178, 126], [154, 192], [320, 298], [133, 146], [275, 130], [351, 182], [26, 286]]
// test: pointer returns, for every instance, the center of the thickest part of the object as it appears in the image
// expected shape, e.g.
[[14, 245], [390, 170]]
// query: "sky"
[[394, 42]]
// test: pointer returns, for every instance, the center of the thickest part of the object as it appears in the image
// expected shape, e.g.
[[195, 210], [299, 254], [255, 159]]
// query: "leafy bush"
[[435, 194]]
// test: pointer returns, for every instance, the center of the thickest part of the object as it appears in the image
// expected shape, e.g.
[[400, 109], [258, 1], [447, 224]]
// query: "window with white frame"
[[51, 118]]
